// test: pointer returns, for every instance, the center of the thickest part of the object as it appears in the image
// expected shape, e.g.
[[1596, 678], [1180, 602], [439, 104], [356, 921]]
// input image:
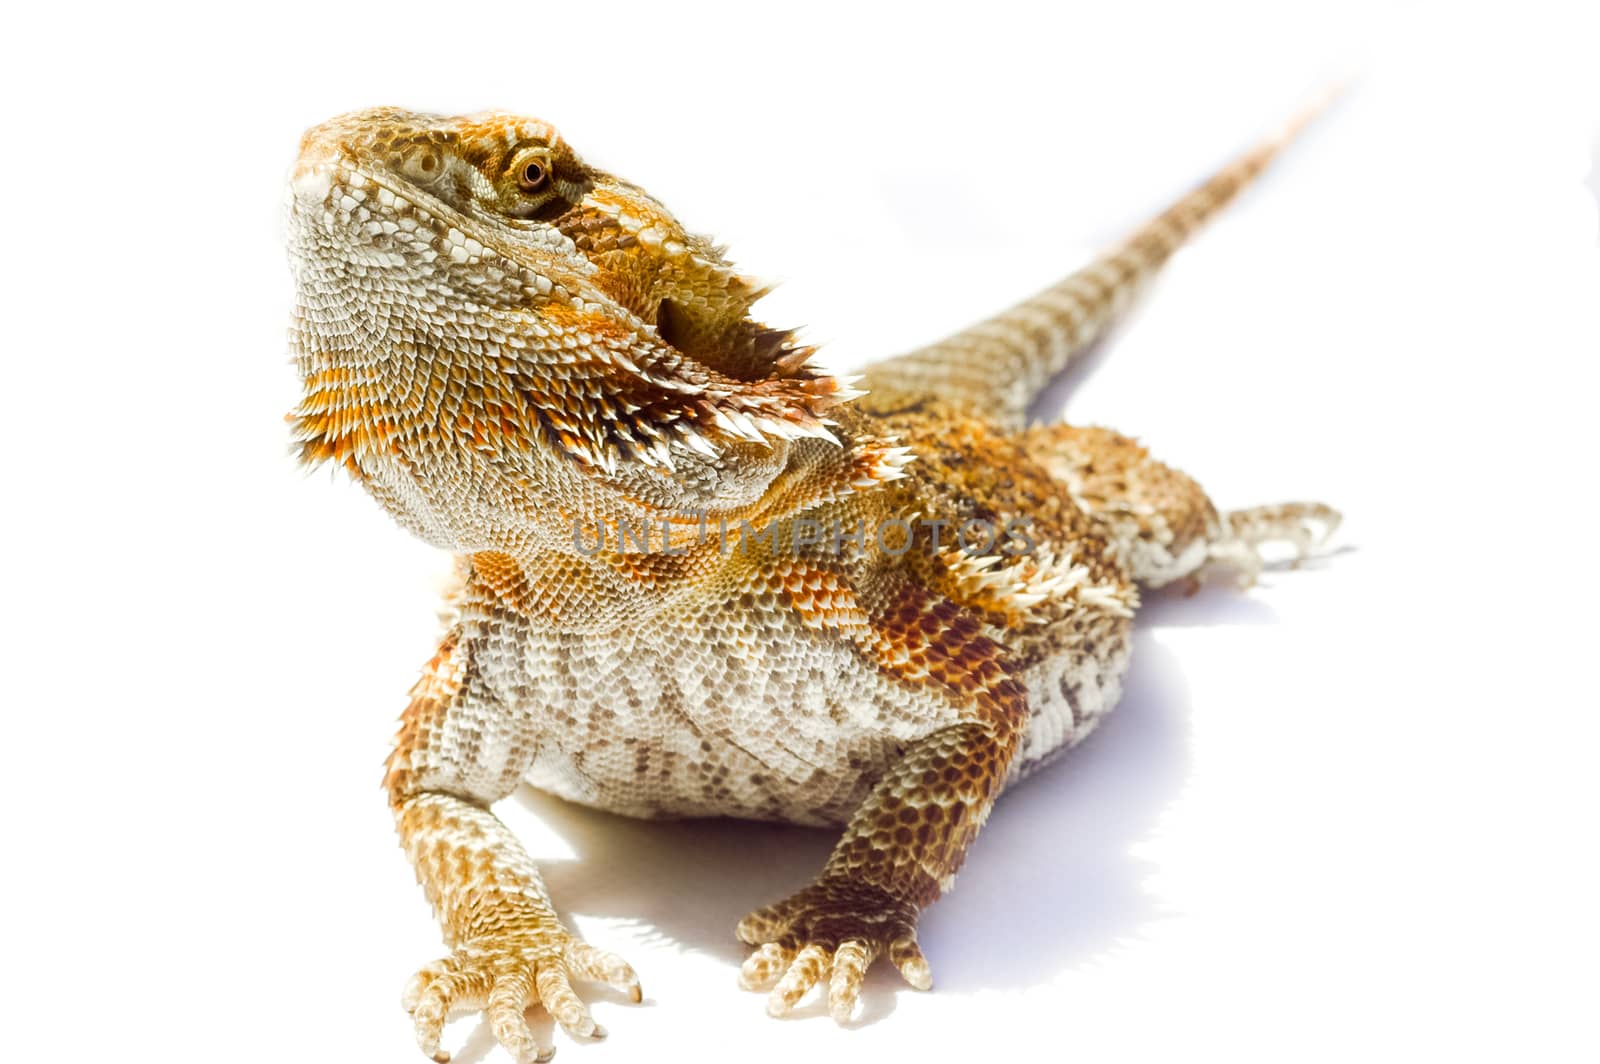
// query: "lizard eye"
[[533, 176]]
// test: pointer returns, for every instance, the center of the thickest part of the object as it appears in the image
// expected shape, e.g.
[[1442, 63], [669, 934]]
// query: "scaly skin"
[[665, 606]]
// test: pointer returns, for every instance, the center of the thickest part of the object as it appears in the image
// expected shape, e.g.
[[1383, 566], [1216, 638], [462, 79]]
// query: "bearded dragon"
[[698, 575]]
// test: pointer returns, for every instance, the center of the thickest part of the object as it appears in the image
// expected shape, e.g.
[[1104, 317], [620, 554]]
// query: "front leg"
[[459, 749], [903, 846]]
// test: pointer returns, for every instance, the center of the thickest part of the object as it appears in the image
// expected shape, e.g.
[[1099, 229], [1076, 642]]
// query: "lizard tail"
[[999, 365]]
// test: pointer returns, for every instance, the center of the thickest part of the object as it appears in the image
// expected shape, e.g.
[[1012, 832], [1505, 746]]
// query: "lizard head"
[[490, 166], [499, 340]]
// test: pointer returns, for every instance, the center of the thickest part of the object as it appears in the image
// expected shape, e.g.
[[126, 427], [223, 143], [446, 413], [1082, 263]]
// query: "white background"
[[1348, 816]]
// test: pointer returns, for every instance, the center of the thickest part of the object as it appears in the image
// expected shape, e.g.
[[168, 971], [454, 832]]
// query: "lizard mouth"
[[312, 177], [311, 183]]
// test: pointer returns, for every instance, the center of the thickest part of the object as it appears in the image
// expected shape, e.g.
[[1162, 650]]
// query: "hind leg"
[[1161, 523]]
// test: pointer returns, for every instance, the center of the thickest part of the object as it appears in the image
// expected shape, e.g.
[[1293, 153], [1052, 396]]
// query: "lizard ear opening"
[[671, 325]]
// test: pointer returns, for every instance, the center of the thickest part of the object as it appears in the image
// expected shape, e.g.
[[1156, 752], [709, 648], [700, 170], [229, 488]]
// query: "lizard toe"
[[507, 1016], [762, 968], [434, 993], [804, 972], [850, 964]]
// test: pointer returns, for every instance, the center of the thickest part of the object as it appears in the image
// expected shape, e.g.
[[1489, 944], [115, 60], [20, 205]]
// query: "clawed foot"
[[832, 928], [1302, 525], [502, 976]]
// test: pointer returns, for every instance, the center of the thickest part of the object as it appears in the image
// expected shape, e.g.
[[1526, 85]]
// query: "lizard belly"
[[1070, 692], [760, 717], [731, 712]]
